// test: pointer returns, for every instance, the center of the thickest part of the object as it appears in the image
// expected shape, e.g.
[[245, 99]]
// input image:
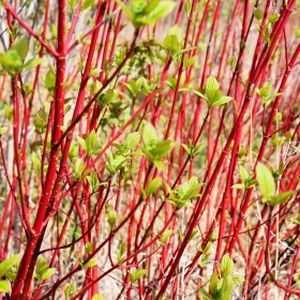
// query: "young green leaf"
[[8, 263], [226, 266], [173, 40], [47, 274], [21, 46], [115, 163], [278, 199], [112, 217], [243, 173], [137, 274], [211, 84], [226, 289], [204, 295], [265, 181], [258, 14], [98, 297], [141, 12], [11, 62], [4, 286], [32, 63], [50, 79], [132, 140], [214, 282], [149, 134], [223, 100], [3, 130], [153, 186], [91, 263], [166, 235], [161, 9]]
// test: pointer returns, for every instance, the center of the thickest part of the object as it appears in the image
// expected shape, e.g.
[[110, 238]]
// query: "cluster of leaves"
[[146, 52], [139, 86], [265, 92], [87, 4], [174, 44], [143, 12], [247, 180], [185, 192], [205, 254], [43, 271], [212, 94], [267, 186], [111, 215], [13, 61], [118, 112], [91, 144], [153, 148], [8, 271], [258, 14], [153, 186], [220, 288], [166, 235], [137, 274], [191, 149], [117, 160], [41, 119]]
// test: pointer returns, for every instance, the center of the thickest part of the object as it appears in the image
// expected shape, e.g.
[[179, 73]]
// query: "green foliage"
[[131, 141], [267, 186], [111, 216], [258, 14], [70, 289], [212, 94], [221, 288], [205, 255], [185, 192], [80, 169], [98, 297], [153, 186], [247, 181], [280, 198], [91, 144], [143, 12], [89, 248], [166, 235], [4, 286], [107, 98], [50, 79], [73, 4], [91, 263], [226, 266], [265, 181], [137, 274], [265, 93], [7, 265], [139, 86], [43, 272], [115, 162], [13, 60], [88, 4], [187, 62], [154, 149], [122, 251], [3, 130], [174, 41], [191, 149], [40, 121], [268, 28], [94, 181]]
